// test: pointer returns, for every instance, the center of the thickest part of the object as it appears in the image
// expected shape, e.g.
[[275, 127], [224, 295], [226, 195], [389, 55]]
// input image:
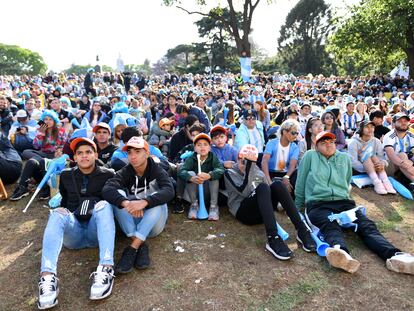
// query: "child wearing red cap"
[[211, 171]]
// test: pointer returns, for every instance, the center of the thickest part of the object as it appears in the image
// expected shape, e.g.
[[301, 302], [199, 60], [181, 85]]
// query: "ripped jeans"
[[64, 229]]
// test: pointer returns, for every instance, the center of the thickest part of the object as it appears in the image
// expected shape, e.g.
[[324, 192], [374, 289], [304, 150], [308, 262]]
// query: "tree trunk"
[[410, 57], [243, 47]]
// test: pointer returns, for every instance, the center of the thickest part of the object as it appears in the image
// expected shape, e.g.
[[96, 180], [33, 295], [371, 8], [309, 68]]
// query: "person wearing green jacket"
[[211, 172], [322, 187]]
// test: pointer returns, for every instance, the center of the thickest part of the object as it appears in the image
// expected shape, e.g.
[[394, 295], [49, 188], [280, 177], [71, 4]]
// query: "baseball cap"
[[78, 140], [399, 116], [136, 142], [291, 111], [364, 124], [249, 112], [21, 113], [202, 136], [218, 128], [249, 151], [102, 125], [165, 121], [324, 134]]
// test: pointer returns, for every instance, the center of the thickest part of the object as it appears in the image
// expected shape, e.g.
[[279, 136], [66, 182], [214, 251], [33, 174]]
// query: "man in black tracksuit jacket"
[[140, 192]]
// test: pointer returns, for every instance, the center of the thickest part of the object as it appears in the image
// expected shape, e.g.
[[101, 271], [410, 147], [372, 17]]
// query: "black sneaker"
[[305, 239], [142, 261], [177, 206], [411, 186], [19, 193], [277, 247], [126, 263], [44, 193]]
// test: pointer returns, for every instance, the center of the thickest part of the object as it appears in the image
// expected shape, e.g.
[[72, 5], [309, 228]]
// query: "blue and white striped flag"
[[246, 68]]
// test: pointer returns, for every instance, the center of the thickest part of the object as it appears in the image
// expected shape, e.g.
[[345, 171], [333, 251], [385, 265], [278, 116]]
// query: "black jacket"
[[96, 182], [105, 154], [6, 120], [154, 186], [178, 141]]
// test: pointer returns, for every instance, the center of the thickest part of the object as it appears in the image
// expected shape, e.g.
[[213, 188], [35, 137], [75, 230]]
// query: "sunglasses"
[[251, 118], [328, 117], [294, 133]]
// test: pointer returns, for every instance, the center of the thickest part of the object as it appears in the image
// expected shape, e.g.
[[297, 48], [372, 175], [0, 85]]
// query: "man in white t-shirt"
[[399, 147]]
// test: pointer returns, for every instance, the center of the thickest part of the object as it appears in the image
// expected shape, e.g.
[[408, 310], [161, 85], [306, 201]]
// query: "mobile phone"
[[40, 123]]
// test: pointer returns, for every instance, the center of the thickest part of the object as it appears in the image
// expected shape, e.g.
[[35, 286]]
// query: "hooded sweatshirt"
[[240, 185], [323, 179], [359, 150], [154, 186]]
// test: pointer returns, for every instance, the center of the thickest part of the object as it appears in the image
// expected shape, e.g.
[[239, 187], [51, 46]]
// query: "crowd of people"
[[140, 146]]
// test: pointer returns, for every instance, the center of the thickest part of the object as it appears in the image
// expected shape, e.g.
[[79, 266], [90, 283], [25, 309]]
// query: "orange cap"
[[165, 121], [324, 135], [78, 140], [136, 142], [202, 136]]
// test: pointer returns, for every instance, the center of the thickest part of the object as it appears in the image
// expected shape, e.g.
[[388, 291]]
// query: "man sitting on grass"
[[69, 225], [323, 188]]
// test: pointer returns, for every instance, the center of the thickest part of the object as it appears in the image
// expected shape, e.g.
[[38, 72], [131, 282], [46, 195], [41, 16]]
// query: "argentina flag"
[[246, 68]]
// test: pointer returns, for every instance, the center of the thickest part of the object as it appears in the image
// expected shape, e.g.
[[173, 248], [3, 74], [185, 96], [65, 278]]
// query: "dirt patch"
[[229, 272]]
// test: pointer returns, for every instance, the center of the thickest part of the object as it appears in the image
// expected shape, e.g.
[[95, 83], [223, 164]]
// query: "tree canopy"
[[17, 60], [376, 36], [303, 36], [230, 20]]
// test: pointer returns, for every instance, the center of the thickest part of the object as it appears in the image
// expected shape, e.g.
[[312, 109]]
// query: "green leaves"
[[17, 60], [377, 35], [302, 38]]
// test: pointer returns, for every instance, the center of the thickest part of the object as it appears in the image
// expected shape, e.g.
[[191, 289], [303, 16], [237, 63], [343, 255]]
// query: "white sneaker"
[[103, 280], [192, 213], [48, 292], [401, 263], [338, 258], [214, 213]]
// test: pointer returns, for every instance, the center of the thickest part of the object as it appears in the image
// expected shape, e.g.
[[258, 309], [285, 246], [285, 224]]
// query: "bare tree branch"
[[193, 12]]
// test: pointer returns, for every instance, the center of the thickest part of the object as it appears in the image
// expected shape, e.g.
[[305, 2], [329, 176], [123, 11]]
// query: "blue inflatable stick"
[[281, 232], [401, 189], [55, 167]]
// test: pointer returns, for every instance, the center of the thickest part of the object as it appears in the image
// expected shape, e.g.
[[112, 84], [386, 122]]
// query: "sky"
[[74, 32]]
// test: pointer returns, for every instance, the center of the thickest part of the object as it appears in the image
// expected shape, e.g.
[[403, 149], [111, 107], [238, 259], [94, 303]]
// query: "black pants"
[[332, 232], [259, 207], [292, 178], [9, 171], [34, 168]]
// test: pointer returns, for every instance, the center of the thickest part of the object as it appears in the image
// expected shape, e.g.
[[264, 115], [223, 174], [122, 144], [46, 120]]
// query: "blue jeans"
[[150, 225], [63, 228]]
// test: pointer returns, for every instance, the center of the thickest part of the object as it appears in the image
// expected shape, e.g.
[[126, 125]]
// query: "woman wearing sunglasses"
[[280, 157]]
